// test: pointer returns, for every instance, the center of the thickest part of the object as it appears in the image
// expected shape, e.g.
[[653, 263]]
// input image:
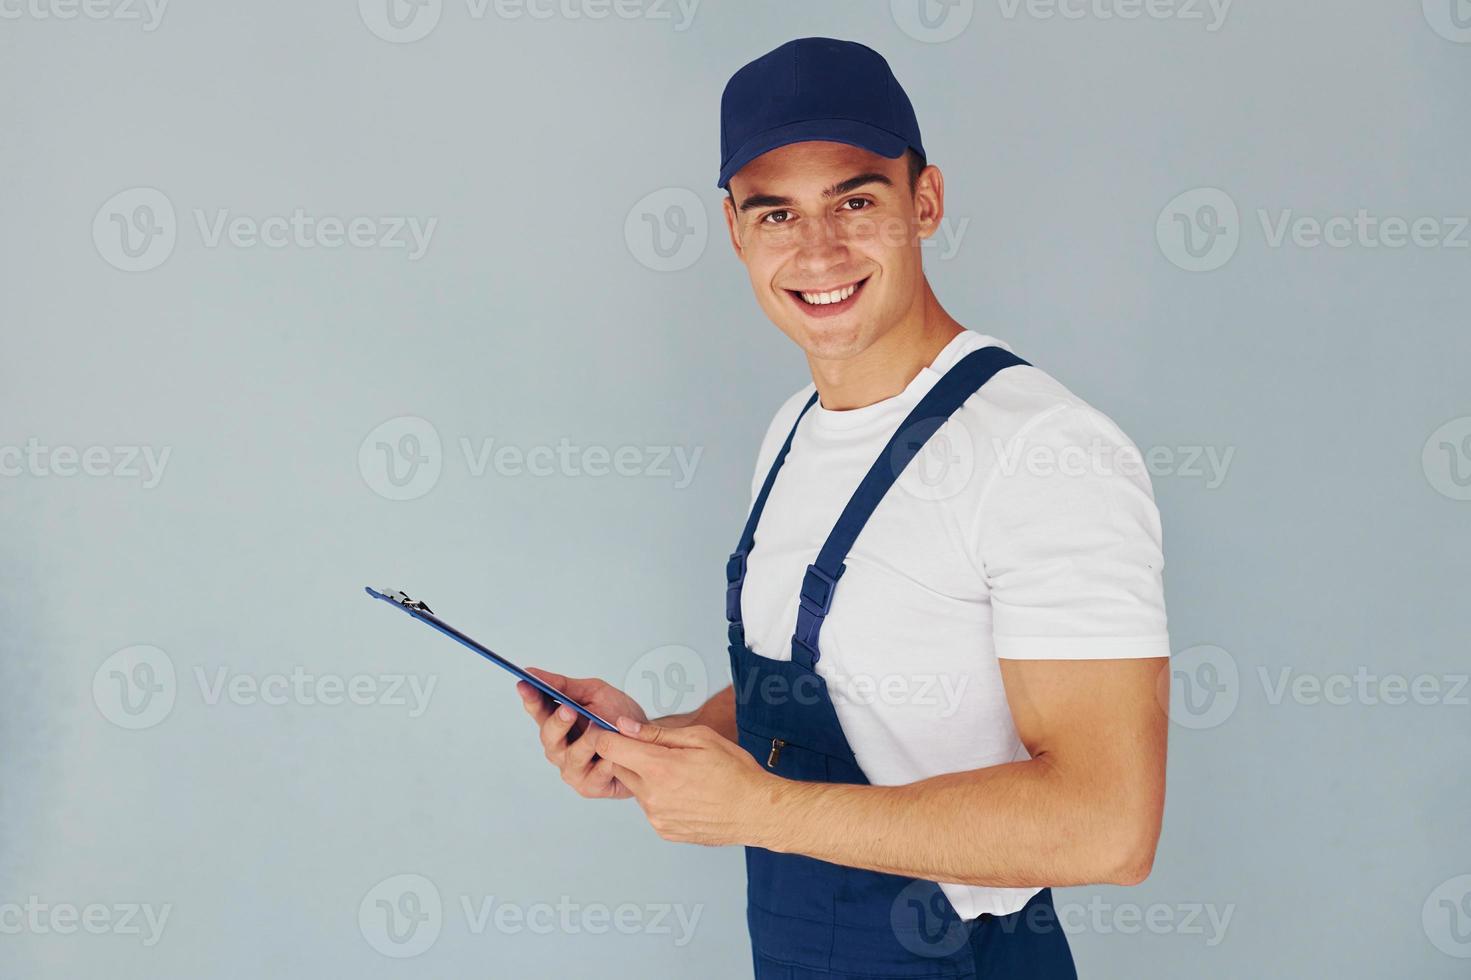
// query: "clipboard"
[[421, 611]]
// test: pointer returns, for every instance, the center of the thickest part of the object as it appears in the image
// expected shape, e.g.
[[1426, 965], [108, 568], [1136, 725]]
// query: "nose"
[[821, 246]]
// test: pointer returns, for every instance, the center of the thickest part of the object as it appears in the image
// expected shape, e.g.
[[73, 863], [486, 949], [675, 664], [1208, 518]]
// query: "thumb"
[[679, 738]]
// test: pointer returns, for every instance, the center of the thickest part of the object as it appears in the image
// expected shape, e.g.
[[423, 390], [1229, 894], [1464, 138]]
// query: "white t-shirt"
[[1025, 528]]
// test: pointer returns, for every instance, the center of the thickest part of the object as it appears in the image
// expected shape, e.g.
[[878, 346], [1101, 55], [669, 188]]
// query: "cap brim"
[[849, 131]]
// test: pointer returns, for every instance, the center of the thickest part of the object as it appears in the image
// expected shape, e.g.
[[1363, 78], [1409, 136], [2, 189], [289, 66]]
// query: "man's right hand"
[[569, 741]]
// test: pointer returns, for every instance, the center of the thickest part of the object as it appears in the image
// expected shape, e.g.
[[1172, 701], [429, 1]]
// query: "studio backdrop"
[[298, 298]]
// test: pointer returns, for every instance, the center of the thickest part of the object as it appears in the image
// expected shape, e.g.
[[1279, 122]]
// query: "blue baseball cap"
[[814, 88]]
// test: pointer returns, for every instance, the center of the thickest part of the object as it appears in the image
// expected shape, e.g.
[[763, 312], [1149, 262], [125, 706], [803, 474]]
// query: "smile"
[[828, 302]]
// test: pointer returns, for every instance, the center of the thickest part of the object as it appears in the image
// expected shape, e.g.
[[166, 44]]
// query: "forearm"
[[1024, 824], [717, 713]]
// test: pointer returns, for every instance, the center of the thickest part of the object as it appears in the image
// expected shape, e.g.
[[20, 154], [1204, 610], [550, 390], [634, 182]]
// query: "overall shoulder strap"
[[938, 404], [735, 566]]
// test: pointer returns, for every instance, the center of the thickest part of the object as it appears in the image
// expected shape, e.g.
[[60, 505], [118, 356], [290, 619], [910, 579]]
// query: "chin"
[[830, 342]]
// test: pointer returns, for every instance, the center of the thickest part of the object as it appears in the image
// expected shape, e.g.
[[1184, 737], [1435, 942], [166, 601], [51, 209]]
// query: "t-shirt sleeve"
[[1069, 539]]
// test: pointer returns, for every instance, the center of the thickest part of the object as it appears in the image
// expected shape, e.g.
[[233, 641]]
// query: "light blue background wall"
[[1302, 838]]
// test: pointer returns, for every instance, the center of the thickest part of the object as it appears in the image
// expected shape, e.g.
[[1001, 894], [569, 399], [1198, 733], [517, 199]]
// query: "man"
[[931, 514]]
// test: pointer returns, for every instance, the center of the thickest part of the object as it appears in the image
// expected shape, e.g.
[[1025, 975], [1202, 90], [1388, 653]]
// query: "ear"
[[929, 201], [732, 225]]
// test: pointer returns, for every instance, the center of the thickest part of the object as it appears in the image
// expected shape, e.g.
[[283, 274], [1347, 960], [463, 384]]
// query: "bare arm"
[[1086, 808]]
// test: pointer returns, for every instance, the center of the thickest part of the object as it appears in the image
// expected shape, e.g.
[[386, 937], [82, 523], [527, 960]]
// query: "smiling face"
[[830, 236]]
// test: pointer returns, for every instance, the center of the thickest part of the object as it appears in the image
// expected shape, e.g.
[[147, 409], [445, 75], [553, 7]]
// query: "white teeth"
[[836, 296]]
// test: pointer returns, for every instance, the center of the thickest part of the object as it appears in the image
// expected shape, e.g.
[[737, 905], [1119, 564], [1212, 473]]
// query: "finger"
[[580, 753], [603, 780], [688, 737], [537, 705], [554, 732], [630, 752], [630, 779]]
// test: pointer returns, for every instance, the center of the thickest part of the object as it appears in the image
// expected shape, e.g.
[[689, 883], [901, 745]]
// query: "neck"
[[887, 365]]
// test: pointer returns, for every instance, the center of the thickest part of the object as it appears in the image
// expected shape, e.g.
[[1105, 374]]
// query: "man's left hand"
[[694, 785]]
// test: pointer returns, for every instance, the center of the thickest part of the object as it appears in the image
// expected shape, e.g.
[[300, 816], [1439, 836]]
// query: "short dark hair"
[[916, 162]]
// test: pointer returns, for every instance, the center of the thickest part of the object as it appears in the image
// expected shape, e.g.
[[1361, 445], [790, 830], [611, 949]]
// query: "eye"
[[776, 218], [862, 203]]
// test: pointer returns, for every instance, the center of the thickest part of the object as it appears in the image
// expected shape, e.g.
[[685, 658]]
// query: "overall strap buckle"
[[735, 576], [815, 599]]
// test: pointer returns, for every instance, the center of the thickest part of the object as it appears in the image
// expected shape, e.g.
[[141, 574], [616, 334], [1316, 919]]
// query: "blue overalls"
[[810, 918]]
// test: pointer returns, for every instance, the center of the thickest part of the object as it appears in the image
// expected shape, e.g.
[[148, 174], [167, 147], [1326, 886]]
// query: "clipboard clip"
[[402, 598]]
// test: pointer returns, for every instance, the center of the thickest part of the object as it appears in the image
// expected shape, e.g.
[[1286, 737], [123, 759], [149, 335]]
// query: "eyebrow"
[[841, 187]]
